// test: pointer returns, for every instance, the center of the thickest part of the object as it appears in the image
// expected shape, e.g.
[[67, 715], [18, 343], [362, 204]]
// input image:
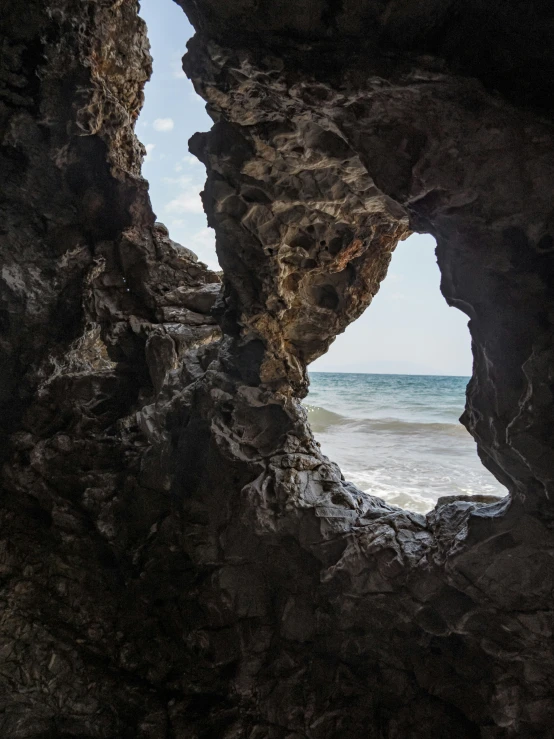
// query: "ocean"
[[398, 436]]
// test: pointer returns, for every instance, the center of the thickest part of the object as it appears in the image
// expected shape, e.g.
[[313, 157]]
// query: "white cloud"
[[163, 124], [149, 148], [192, 161], [178, 168], [204, 239], [177, 67], [182, 181], [188, 200], [203, 244]]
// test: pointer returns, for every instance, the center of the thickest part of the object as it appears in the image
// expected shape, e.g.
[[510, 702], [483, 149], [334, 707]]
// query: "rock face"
[[178, 559]]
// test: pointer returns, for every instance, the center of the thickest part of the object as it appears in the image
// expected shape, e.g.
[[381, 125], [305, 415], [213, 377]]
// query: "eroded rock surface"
[[178, 558]]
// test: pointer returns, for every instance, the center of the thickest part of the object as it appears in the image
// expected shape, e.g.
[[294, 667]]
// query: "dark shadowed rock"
[[178, 558]]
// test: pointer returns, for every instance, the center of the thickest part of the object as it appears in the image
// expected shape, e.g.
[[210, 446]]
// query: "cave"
[[384, 401], [178, 558]]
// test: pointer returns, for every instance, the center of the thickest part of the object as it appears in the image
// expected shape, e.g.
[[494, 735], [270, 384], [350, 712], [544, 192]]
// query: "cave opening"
[[171, 114], [386, 399]]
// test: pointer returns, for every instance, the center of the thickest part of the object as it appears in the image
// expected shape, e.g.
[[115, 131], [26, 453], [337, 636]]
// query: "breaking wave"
[[322, 419]]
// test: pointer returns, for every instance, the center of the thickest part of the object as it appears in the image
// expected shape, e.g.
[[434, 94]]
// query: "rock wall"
[[178, 558]]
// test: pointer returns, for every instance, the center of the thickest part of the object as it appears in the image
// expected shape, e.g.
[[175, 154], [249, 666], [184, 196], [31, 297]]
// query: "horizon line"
[[394, 374]]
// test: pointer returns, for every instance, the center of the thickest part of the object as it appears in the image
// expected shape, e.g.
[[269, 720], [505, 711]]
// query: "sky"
[[408, 329]]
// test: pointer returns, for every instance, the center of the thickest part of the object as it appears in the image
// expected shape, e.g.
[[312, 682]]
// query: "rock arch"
[[178, 557]]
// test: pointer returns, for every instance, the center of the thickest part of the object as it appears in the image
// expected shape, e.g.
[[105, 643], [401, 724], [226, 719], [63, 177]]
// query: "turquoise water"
[[398, 436]]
